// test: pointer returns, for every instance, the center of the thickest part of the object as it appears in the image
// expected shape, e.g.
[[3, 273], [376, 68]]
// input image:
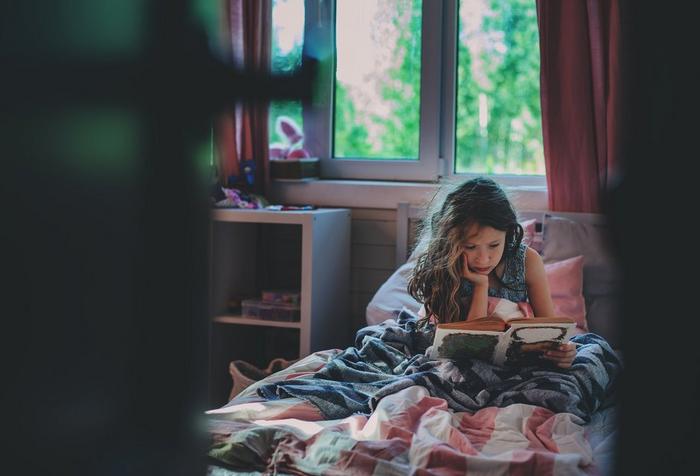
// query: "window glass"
[[377, 80], [287, 43], [498, 124]]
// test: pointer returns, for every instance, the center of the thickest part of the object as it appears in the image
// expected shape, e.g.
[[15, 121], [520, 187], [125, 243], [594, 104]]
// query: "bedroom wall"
[[372, 258]]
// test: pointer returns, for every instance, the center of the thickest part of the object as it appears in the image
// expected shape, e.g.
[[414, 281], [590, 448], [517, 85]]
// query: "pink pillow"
[[565, 280]]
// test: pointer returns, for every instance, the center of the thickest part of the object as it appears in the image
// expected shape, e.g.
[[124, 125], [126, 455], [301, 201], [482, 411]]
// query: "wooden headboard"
[[407, 217]]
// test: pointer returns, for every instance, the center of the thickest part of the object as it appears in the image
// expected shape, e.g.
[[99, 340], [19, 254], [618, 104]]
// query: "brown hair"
[[436, 278]]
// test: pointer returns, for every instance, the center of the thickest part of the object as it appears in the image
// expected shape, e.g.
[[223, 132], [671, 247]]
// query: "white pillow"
[[392, 296]]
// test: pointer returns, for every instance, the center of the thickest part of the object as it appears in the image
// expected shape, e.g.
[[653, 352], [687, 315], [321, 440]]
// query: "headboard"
[[407, 217]]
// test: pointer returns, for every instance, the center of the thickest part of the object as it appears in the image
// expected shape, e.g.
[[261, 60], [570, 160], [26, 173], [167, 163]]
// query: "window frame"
[[437, 102]]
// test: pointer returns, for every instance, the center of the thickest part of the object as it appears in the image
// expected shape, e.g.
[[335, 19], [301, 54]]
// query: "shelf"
[[298, 217], [244, 321], [256, 250]]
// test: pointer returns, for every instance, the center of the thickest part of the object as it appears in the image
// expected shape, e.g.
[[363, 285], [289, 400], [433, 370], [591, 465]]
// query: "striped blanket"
[[382, 408]]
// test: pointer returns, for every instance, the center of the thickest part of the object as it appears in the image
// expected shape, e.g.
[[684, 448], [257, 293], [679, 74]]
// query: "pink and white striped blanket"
[[409, 432]]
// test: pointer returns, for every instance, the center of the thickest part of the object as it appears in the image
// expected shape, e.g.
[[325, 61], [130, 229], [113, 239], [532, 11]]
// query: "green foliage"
[[284, 64], [402, 90], [512, 141], [467, 137], [351, 139]]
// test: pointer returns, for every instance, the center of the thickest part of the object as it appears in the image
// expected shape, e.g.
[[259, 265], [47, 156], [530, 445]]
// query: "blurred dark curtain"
[[104, 238], [653, 214]]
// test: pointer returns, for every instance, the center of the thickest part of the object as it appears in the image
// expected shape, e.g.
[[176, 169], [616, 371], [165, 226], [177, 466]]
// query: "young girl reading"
[[471, 248]]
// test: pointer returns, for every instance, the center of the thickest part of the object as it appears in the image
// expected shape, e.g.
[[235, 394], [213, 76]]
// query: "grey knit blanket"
[[390, 356]]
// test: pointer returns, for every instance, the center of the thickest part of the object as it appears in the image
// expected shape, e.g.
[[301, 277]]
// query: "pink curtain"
[[242, 133], [579, 79]]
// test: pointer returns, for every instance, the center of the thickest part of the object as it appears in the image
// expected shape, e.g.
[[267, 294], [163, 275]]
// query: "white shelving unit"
[[254, 250]]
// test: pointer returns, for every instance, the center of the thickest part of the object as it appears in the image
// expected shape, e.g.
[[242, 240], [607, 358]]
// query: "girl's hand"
[[562, 356], [475, 278]]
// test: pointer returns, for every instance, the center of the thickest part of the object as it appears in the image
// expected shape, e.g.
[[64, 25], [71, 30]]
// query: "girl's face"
[[484, 247]]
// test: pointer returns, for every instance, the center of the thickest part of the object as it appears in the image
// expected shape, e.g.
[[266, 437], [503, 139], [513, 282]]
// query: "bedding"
[[391, 356], [411, 433], [382, 408]]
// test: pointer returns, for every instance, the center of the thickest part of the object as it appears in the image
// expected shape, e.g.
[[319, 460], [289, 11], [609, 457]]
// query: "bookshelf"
[[254, 250]]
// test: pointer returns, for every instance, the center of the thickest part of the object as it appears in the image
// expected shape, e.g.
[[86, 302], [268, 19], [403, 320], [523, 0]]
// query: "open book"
[[515, 342]]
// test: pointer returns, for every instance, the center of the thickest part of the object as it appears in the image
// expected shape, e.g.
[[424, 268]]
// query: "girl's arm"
[[478, 305], [542, 306], [479, 302], [537, 285]]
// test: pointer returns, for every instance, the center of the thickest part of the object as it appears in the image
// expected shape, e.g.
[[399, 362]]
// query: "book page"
[[524, 343], [460, 345]]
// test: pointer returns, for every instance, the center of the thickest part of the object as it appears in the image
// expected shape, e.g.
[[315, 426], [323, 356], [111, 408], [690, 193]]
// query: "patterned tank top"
[[514, 288]]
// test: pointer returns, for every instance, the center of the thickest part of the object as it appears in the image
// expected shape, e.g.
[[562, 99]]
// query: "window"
[[286, 46], [417, 89], [498, 126]]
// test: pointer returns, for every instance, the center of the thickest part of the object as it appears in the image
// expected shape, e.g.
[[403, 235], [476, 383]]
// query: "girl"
[[471, 248]]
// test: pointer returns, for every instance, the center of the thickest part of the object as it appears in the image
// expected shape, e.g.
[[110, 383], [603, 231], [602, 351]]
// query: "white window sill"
[[385, 194]]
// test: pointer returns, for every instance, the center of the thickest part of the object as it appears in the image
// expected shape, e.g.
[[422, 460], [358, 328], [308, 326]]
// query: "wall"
[[372, 258]]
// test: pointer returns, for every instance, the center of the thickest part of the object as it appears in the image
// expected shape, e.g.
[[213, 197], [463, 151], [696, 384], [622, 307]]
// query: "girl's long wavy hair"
[[436, 278]]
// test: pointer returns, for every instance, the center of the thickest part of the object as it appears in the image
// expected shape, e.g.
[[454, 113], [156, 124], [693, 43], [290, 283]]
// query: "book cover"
[[517, 342]]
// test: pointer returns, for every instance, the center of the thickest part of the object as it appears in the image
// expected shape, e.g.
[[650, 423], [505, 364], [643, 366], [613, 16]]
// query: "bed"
[[380, 407]]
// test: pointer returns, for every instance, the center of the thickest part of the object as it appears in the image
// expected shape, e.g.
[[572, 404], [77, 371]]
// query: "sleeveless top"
[[514, 288]]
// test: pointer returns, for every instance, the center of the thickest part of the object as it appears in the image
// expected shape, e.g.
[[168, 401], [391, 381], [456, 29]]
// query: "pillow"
[[602, 316], [565, 280], [565, 238], [392, 296]]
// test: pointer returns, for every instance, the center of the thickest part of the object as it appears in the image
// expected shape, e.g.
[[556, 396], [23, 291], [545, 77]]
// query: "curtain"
[[241, 133], [579, 80]]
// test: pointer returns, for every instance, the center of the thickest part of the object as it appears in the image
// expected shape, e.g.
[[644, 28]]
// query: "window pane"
[[499, 127], [287, 43], [377, 82]]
